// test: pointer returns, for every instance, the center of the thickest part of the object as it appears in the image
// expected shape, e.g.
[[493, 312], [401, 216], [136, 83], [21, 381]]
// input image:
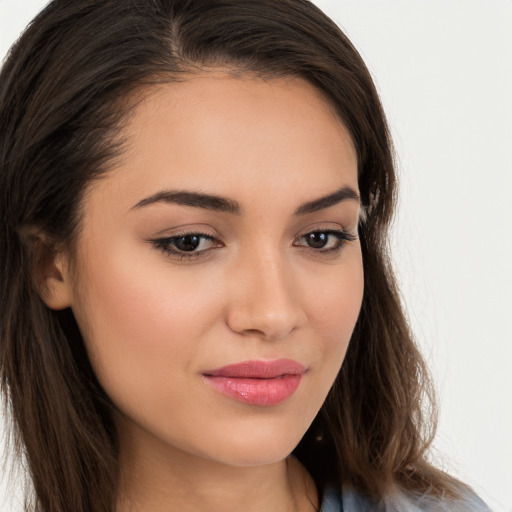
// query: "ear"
[[51, 273]]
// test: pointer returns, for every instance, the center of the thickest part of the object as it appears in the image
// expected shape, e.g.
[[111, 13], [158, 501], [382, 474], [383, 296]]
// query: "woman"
[[198, 311]]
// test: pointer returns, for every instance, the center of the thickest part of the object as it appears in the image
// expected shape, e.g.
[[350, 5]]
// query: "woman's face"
[[219, 274]]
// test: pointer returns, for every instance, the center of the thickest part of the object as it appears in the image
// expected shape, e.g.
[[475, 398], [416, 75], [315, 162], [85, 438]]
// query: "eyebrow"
[[196, 199], [223, 204], [321, 203]]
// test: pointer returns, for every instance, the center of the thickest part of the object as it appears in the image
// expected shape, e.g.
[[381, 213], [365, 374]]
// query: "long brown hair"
[[64, 94]]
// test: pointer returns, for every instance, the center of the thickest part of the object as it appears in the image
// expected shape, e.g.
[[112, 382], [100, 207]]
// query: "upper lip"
[[258, 369]]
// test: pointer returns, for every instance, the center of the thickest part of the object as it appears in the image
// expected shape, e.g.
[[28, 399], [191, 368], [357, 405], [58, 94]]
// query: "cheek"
[[333, 300], [141, 328]]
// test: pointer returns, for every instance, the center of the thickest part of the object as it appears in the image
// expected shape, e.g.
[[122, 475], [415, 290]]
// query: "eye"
[[186, 245], [325, 240]]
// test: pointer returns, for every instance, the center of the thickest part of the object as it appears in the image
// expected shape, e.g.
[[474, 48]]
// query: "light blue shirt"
[[351, 501]]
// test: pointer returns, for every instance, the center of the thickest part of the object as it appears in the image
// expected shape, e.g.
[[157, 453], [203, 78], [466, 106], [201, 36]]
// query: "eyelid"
[[187, 229]]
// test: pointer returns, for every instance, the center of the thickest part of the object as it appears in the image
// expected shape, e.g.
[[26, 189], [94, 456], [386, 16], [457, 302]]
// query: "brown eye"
[[187, 243], [317, 240]]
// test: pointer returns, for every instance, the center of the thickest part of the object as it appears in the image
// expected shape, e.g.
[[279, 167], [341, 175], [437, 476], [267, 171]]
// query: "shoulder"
[[350, 500]]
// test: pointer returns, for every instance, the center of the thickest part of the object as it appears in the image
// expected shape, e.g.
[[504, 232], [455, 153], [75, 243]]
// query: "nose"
[[264, 303]]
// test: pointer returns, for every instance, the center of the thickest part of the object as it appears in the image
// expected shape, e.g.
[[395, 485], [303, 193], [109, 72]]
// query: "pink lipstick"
[[263, 383]]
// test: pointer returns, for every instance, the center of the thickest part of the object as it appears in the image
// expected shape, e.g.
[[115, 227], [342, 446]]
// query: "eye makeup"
[[194, 244]]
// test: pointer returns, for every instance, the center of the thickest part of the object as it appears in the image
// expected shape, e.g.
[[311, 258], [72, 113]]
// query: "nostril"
[[267, 325]]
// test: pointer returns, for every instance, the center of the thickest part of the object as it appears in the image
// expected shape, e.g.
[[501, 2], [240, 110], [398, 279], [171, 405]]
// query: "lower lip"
[[263, 392]]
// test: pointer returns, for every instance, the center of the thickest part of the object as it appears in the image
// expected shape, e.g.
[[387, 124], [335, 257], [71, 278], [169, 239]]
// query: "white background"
[[444, 71]]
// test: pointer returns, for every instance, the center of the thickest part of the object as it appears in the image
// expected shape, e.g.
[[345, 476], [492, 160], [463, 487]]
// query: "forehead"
[[235, 136]]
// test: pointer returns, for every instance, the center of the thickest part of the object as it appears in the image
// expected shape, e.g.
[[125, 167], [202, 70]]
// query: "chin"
[[250, 456], [254, 446]]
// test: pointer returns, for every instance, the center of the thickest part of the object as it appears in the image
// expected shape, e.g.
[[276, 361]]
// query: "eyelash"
[[166, 244]]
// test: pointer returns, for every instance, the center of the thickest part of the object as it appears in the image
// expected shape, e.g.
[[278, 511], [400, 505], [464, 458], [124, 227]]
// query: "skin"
[[154, 322]]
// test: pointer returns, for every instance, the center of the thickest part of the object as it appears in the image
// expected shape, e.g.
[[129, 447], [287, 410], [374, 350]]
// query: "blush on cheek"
[[340, 306]]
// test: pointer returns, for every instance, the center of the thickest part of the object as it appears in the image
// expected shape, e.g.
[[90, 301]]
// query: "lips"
[[261, 383]]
